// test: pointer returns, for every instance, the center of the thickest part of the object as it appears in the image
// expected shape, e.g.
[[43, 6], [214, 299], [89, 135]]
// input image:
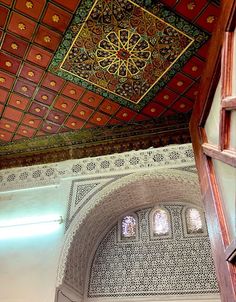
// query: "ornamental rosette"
[[124, 53]]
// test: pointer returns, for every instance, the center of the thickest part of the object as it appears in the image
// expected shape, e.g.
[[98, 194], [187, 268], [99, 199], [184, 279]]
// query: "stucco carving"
[[133, 191]]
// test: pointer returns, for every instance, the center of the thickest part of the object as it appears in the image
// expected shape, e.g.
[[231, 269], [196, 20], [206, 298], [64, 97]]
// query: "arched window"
[[128, 227], [161, 224], [194, 221]]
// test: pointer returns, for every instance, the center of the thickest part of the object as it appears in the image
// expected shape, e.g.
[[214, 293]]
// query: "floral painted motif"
[[124, 49], [88, 57], [123, 54]]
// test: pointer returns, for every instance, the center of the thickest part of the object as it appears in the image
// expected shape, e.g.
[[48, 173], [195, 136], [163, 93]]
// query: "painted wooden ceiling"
[[73, 66]]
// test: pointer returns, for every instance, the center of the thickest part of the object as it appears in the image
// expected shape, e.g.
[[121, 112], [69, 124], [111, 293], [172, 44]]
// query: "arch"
[[126, 194]]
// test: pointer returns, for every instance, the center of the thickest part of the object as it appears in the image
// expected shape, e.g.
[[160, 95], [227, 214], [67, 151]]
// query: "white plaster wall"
[[28, 266]]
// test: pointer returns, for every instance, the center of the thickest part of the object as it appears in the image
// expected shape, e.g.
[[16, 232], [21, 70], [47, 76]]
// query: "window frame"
[[151, 223], [185, 222]]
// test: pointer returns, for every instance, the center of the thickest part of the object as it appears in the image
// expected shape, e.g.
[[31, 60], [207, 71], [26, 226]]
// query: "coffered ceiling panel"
[[69, 68]]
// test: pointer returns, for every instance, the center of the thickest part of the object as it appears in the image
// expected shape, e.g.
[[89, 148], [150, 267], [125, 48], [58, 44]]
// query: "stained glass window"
[[129, 226], [161, 222], [194, 221]]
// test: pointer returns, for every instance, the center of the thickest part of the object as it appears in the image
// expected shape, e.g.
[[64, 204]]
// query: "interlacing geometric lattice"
[[178, 265], [124, 53]]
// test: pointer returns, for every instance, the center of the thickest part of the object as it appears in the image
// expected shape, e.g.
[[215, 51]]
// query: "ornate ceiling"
[[79, 74]]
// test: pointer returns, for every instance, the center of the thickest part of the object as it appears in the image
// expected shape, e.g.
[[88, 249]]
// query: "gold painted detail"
[[2, 80], [38, 57], [14, 46], [194, 68], [123, 53], [55, 18], [166, 97], [37, 109], [63, 105], [47, 39], [180, 83], [8, 64], [73, 124], [29, 4], [7, 126], [21, 26], [24, 88], [30, 73], [191, 5], [210, 19], [44, 97], [53, 83], [31, 122], [18, 102], [72, 91]]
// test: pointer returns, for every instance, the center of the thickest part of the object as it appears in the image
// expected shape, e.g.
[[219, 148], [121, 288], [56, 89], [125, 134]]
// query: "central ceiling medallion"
[[124, 51], [123, 55]]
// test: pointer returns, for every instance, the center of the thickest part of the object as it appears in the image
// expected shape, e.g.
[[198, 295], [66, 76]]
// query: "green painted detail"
[[199, 37]]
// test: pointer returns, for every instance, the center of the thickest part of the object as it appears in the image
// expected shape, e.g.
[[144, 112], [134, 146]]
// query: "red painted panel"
[[32, 8], [21, 26], [3, 13], [8, 125], [166, 97], [14, 45], [82, 112], [182, 105], [26, 131], [9, 63], [53, 82], [56, 117], [64, 104], [109, 107], [31, 120], [153, 109], [56, 18], [74, 123], [45, 96], [125, 114], [99, 119], [190, 9], [39, 56], [47, 38], [3, 95], [91, 98], [5, 136], [25, 87], [208, 18], [73, 91], [71, 5], [18, 101], [12, 114], [6, 80], [31, 73]]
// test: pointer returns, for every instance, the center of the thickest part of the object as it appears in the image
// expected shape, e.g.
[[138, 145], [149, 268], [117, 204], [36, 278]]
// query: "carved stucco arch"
[[140, 189]]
